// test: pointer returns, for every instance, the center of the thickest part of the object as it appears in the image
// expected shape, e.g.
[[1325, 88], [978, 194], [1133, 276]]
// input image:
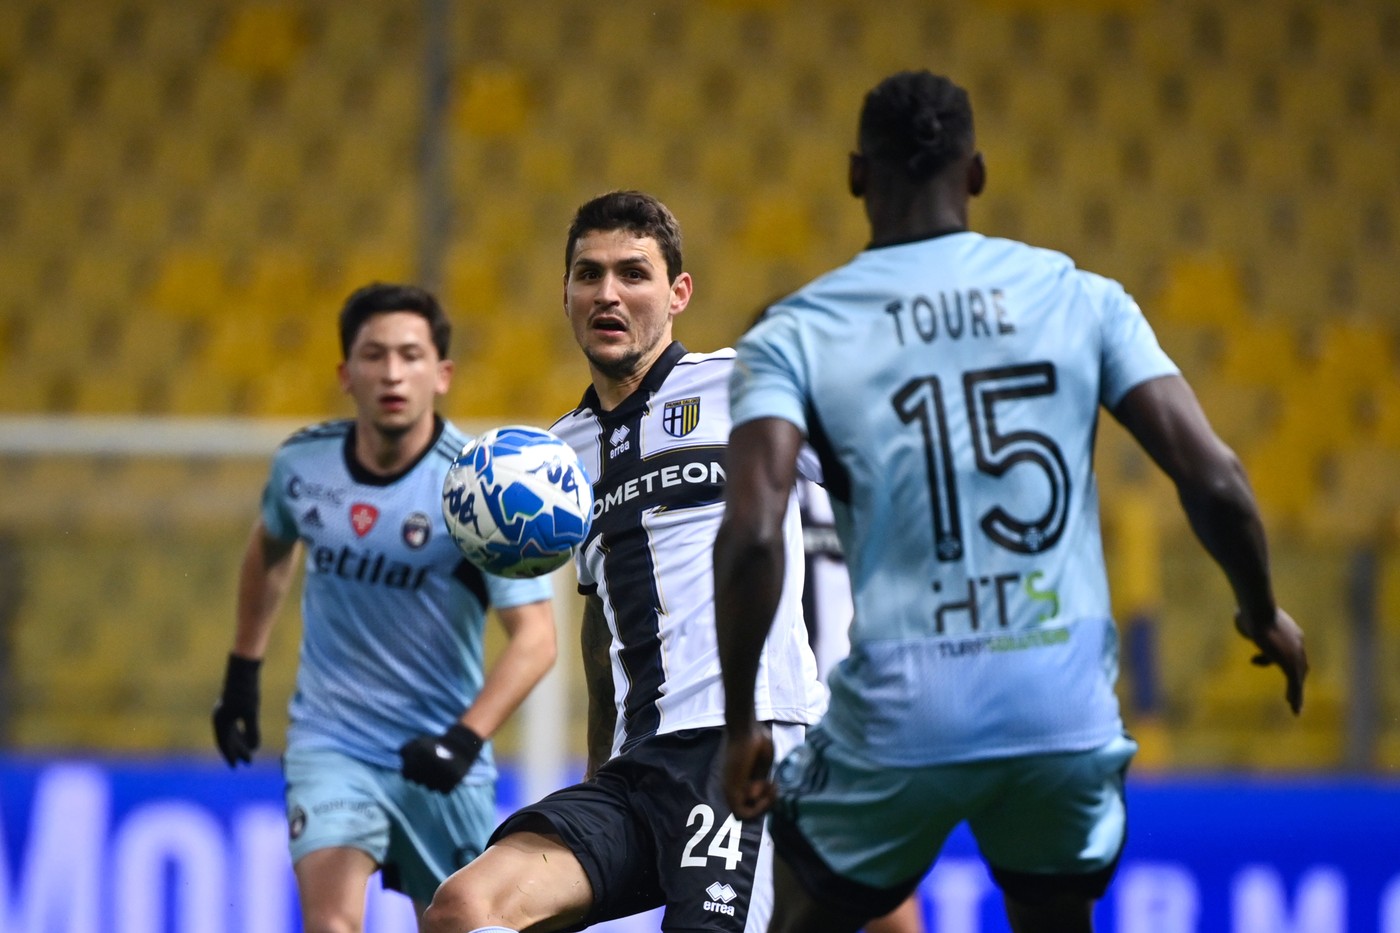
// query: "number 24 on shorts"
[[724, 844]]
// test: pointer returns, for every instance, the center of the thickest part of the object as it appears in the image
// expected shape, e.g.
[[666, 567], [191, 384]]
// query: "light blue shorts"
[[1043, 822], [417, 836]]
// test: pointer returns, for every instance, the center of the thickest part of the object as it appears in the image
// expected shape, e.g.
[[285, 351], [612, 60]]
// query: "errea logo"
[[618, 440], [720, 896]]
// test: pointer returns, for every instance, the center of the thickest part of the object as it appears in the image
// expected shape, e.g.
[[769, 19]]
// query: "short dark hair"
[[917, 122], [639, 214], [383, 297]]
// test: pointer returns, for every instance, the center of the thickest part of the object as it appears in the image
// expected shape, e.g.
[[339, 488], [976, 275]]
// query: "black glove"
[[236, 714], [439, 762]]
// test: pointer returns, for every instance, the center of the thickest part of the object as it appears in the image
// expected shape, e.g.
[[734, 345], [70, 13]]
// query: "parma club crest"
[[680, 417]]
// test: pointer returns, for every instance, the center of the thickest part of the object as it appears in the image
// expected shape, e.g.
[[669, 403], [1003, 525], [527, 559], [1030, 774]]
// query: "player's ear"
[[976, 174], [856, 172], [445, 369], [681, 290], [342, 373]]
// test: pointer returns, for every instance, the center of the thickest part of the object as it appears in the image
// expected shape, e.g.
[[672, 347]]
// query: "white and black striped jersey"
[[657, 466]]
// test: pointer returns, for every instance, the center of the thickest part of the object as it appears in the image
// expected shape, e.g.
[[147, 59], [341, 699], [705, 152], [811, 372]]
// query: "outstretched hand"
[[748, 762], [1280, 641]]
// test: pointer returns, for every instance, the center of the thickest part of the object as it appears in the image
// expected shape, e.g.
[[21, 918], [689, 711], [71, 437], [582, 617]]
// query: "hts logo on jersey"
[[618, 440], [720, 896]]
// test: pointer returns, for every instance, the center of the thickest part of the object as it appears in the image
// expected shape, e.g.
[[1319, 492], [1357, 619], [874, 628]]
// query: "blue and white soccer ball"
[[517, 501]]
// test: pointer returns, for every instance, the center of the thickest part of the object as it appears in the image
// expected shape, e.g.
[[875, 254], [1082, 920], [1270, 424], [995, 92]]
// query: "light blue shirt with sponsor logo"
[[952, 388], [393, 616]]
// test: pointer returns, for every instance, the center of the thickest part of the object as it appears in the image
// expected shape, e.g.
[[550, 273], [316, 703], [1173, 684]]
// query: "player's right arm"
[[1165, 417], [264, 578], [597, 674]]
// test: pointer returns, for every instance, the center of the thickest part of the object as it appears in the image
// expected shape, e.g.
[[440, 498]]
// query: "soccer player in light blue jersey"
[[388, 764], [951, 384]]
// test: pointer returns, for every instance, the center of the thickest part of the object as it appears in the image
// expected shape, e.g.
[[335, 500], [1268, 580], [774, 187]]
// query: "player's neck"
[[386, 453], [613, 392], [913, 216]]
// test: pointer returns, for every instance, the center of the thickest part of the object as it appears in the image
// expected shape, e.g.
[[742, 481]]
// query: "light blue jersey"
[[951, 387], [392, 615]]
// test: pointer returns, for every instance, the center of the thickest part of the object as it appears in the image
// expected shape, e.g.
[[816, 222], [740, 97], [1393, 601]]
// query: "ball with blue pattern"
[[517, 501]]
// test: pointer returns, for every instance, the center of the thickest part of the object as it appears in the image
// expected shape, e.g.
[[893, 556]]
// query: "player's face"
[[393, 372], [620, 302]]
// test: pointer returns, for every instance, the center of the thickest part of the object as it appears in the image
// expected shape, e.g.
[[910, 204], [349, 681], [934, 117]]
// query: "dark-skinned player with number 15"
[[951, 384]]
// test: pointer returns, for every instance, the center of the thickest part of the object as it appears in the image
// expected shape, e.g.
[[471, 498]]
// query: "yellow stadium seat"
[[1203, 289], [1264, 353], [135, 93], [776, 225], [189, 283], [1360, 498], [113, 390], [1377, 277], [262, 39], [1277, 158], [1348, 34], [491, 101]]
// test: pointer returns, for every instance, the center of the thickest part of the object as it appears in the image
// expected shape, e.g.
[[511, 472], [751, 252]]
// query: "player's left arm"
[[528, 655], [749, 562], [1165, 417], [440, 762], [596, 640]]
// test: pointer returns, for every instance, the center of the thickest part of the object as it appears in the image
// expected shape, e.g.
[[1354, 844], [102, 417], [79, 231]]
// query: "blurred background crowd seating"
[[189, 190]]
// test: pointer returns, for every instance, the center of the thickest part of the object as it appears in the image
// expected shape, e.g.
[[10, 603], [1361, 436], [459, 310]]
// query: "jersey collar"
[[651, 382], [919, 238], [365, 478]]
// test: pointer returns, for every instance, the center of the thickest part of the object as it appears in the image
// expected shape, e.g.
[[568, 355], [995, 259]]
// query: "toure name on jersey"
[[974, 313], [371, 567]]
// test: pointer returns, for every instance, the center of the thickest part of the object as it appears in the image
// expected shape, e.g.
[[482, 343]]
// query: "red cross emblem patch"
[[362, 517]]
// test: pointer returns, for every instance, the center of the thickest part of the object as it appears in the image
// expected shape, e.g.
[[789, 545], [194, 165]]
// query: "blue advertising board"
[[181, 846]]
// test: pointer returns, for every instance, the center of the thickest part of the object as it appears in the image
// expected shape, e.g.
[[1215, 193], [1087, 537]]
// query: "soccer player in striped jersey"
[[951, 385], [388, 764], [648, 826]]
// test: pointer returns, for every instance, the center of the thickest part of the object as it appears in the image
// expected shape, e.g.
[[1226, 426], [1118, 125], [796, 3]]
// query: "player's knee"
[[331, 921], [458, 906]]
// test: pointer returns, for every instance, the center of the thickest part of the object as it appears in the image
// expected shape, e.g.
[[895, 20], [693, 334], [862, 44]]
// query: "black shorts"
[[652, 828]]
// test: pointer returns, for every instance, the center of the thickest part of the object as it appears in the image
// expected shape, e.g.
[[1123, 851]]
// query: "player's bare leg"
[[794, 910], [331, 885], [525, 882], [908, 917], [1065, 914]]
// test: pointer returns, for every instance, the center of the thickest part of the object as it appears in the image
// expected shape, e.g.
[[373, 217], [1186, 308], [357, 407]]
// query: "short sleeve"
[[1131, 353], [768, 381], [277, 518], [506, 593]]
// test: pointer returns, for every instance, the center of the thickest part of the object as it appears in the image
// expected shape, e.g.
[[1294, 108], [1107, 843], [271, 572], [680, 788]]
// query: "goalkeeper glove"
[[236, 714], [439, 762]]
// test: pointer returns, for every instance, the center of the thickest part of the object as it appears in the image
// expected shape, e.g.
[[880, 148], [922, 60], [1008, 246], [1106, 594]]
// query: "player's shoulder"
[[317, 435], [449, 443], [700, 373], [721, 357]]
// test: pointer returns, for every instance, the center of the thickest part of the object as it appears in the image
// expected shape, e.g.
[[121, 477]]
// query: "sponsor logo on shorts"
[[296, 822], [720, 896]]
